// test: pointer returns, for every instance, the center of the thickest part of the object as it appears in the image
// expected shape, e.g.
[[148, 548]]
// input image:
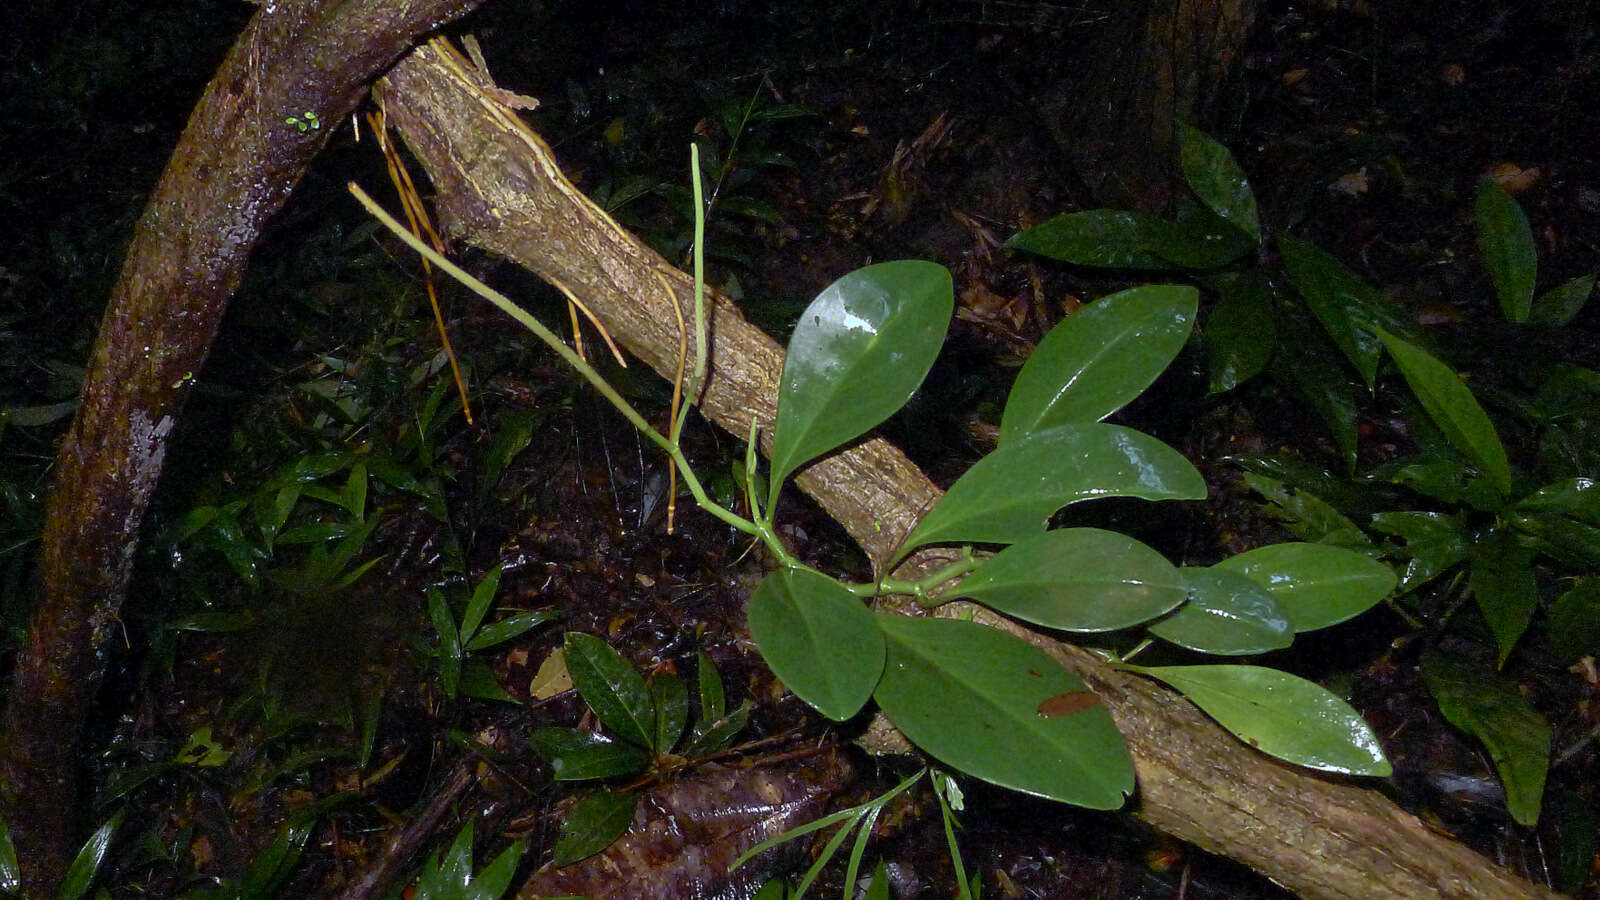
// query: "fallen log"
[[499, 188]]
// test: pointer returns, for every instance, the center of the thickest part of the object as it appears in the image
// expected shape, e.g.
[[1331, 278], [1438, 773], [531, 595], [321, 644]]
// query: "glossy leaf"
[[1315, 585], [819, 639], [1506, 242], [1078, 579], [80, 874], [671, 697], [616, 693], [1452, 407], [478, 606], [1011, 493], [1215, 177], [1099, 358], [494, 879], [450, 651], [477, 680], [1308, 516], [1281, 715], [860, 350], [1106, 238], [715, 734], [10, 871], [1576, 497], [713, 700], [1239, 334], [1574, 620], [969, 695], [1562, 303], [1309, 363], [1227, 614], [1345, 305], [1491, 708], [594, 823], [576, 755], [1201, 241], [496, 633], [1563, 539], [1503, 585], [1434, 543]]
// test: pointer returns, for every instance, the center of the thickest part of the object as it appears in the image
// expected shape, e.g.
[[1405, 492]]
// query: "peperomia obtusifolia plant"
[[979, 700]]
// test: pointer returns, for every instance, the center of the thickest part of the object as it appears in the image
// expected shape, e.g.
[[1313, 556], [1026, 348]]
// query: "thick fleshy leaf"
[[1452, 407], [972, 697], [1503, 585], [1562, 303], [1434, 542], [576, 755], [1011, 493], [1227, 614], [1574, 620], [1078, 579], [1239, 334], [1490, 708], [1314, 584], [595, 821], [860, 350], [1099, 358], [1506, 242], [1282, 715], [1215, 177], [1107, 238], [1345, 304], [671, 697], [616, 693], [819, 639]]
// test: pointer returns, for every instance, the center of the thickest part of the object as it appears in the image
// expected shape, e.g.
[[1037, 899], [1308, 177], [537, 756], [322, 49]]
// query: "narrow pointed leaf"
[[616, 693], [1078, 579], [495, 878], [1345, 304], [1562, 303], [819, 639], [1452, 407], [1573, 622], [1011, 493], [1506, 242], [594, 823], [1215, 177], [1239, 334], [1434, 543], [672, 709], [478, 606], [1490, 708], [1576, 497], [1315, 585], [971, 696], [1281, 715], [10, 871], [1504, 588], [512, 626], [1099, 358], [1227, 614], [1310, 517], [1107, 238], [713, 700], [576, 755], [1308, 362], [80, 874], [860, 350]]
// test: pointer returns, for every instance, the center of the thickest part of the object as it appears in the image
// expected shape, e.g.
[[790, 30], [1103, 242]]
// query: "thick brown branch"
[[499, 188], [234, 166]]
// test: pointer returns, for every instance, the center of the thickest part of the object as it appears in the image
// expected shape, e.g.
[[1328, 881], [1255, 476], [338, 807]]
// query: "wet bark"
[[234, 166], [499, 188], [1168, 62]]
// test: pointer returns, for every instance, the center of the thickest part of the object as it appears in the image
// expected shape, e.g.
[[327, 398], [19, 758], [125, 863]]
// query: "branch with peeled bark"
[[499, 188]]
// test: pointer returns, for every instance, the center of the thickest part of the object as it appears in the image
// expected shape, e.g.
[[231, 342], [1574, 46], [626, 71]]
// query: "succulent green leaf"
[[819, 639], [576, 755], [1574, 620], [1239, 334], [1315, 585], [671, 697], [1491, 708], [594, 823], [972, 697], [1345, 304], [1503, 585], [1078, 579], [1106, 238], [1562, 303], [1227, 614], [1506, 242], [1099, 358], [611, 687], [1011, 493], [1215, 177], [1451, 406], [1281, 715], [860, 350]]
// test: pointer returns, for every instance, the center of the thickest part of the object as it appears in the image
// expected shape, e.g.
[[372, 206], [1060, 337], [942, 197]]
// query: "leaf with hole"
[[970, 696], [1315, 585], [1227, 614], [1011, 493], [1492, 709], [1506, 242], [616, 693], [1099, 358], [819, 639], [1078, 579], [1281, 715], [860, 350]]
